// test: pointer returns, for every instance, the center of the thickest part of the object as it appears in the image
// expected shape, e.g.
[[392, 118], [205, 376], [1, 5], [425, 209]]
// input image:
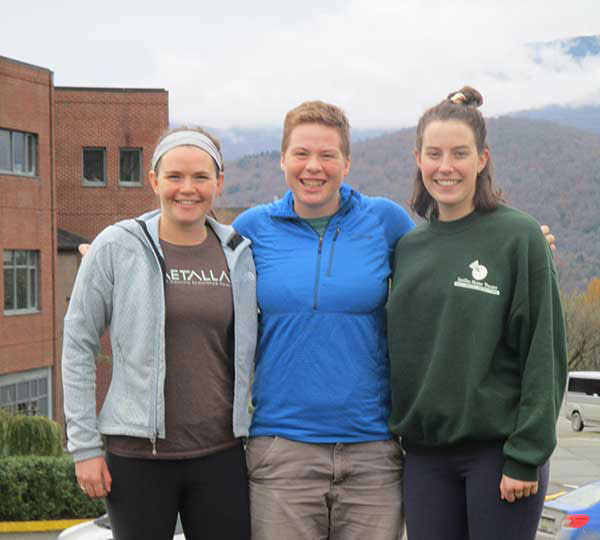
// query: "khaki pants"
[[301, 491]]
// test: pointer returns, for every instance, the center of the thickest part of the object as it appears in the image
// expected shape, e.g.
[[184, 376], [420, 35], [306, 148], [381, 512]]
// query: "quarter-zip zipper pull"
[[153, 441], [315, 292], [330, 266]]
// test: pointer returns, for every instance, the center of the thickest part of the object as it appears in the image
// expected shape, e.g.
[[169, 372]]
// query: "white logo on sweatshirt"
[[479, 273]]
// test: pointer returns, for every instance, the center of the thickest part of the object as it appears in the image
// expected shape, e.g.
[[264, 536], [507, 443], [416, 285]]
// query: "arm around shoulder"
[[395, 219], [246, 223]]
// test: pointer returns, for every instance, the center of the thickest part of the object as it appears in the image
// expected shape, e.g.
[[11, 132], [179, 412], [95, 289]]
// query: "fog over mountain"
[[583, 115], [238, 142], [577, 47]]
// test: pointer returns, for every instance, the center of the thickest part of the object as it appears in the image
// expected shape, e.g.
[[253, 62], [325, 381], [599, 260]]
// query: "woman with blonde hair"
[[177, 291]]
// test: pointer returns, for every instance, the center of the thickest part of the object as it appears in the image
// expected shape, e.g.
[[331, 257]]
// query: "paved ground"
[[576, 461], [28, 536]]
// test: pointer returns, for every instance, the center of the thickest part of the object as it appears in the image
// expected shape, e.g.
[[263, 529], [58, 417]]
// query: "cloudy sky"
[[239, 63]]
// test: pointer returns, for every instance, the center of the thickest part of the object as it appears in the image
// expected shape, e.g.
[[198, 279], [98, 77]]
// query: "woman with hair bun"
[[177, 290], [477, 342]]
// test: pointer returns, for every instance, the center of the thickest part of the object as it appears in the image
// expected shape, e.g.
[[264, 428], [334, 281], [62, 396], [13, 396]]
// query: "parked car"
[[582, 399], [572, 516], [99, 529]]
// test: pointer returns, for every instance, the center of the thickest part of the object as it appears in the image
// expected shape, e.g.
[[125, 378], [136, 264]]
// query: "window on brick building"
[[130, 167], [21, 281], [18, 152], [26, 392], [94, 166]]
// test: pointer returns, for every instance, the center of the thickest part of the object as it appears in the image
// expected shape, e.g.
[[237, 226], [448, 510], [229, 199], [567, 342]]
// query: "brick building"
[[27, 237], [71, 160], [104, 139], [104, 144]]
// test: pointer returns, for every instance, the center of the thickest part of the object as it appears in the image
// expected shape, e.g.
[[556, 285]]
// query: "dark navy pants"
[[454, 494], [210, 493]]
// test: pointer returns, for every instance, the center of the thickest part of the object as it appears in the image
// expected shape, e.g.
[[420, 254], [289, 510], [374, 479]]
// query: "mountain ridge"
[[545, 169]]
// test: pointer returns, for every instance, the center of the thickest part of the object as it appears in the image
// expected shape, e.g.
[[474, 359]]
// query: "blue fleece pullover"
[[322, 369]]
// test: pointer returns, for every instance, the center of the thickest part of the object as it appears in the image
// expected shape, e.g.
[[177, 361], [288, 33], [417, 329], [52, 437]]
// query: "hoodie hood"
[[225, 233]]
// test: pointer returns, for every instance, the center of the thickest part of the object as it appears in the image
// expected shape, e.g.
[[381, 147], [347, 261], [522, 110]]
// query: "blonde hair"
[[317, 112]]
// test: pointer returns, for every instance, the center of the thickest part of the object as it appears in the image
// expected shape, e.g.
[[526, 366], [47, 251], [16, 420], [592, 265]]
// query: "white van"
[[582, 400]]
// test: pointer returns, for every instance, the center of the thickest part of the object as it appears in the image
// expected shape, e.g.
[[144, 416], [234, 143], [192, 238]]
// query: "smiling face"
[[314, 167], [187, 184], [449, 164]]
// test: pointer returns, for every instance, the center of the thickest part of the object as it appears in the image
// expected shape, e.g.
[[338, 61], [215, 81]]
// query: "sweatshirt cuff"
[[87, 453], [520, 471]]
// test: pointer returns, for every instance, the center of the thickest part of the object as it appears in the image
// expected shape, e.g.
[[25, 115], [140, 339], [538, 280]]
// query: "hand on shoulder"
[[549, 237]]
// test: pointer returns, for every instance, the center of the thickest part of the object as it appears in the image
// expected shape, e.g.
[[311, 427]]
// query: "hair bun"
[[467, 96]]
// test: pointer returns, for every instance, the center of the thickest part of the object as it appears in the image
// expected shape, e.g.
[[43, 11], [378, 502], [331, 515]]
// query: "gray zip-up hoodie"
[[120, 285]]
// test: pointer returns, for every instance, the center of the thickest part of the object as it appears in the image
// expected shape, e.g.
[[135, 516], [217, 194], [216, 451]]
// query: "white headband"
[[186, 138]]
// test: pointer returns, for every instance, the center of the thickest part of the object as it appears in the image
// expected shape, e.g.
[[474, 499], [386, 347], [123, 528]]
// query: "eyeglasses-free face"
[[449, 164]]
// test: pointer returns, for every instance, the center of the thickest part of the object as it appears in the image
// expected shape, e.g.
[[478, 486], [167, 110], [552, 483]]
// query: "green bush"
[[22, 435], [37, 488], [4, 418]]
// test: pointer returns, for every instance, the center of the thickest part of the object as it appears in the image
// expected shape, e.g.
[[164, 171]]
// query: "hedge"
[[4, 417], [22, 435], [39, 488]]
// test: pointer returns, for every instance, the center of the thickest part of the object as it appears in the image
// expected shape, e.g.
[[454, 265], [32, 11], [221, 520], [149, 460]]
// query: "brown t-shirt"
[[199, 357]]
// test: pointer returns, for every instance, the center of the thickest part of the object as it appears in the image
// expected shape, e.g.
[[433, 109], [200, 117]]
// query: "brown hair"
[[317, 112], [459, 106], [199, 130]]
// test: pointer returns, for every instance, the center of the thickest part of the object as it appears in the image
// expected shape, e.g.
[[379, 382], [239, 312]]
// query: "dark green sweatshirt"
[[477, 337]]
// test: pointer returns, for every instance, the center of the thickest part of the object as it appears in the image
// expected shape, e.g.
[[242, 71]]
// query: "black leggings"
[[210, 493], [454, 494]]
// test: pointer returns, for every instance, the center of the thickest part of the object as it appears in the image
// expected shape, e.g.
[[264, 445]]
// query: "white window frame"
[[33, 296], [26, 405], [29, 154]]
